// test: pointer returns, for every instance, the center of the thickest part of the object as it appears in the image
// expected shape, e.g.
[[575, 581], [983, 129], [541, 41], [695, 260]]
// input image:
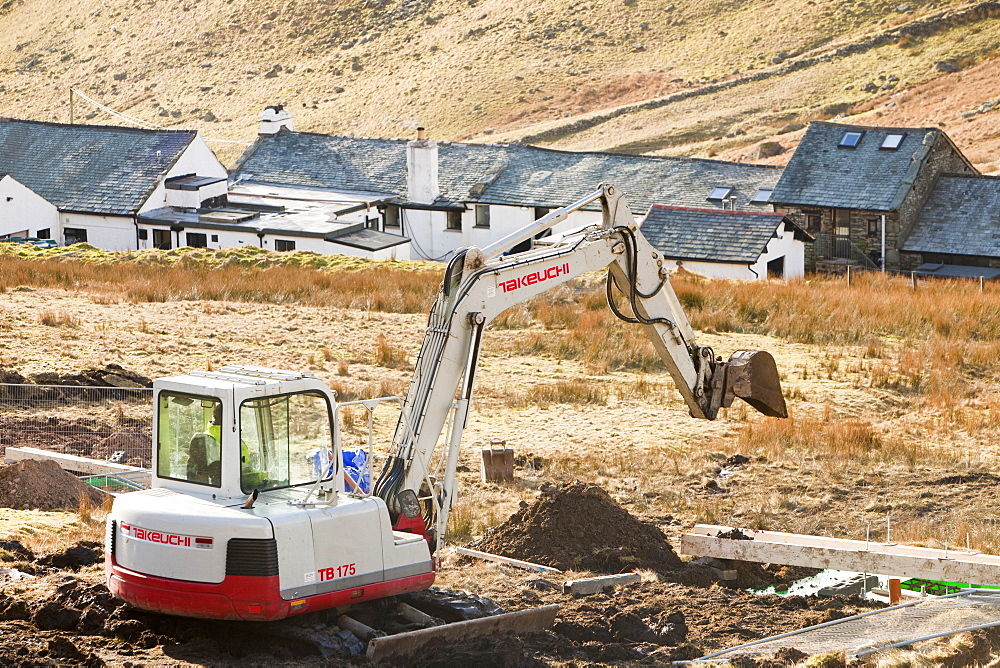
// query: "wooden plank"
[[517, 563], [69, 462], [524, 621], [586, 586], [860, 556]]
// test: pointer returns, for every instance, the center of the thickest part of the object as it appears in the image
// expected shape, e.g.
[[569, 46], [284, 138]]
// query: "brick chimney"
[[273, 119], [422, 169]]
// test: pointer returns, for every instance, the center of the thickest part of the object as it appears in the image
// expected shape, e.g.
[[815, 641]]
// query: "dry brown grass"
[[377, 288]]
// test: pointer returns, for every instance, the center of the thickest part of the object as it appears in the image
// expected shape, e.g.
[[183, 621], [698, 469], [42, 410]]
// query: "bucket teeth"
[[752, 375]]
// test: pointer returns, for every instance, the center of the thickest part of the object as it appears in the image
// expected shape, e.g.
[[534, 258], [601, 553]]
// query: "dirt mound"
[[579, 526], [42, 485], [111, 375], [84, 553]]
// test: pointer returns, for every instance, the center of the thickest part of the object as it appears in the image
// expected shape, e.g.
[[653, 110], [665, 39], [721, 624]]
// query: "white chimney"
[[273, 119], [422, 170]]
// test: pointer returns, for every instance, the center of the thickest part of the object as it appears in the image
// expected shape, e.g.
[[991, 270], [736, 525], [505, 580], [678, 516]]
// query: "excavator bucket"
[[752, 376]]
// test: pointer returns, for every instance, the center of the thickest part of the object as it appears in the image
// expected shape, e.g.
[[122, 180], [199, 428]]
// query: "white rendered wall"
[[198, 159], [238, 239], [194, 198], [739, 272], [784, 245], [22, 211], [434, 242], [115, 233]]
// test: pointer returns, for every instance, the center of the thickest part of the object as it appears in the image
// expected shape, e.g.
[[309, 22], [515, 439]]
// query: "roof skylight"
[[720, 192], [761, 196], [892, 141], [851, 139]]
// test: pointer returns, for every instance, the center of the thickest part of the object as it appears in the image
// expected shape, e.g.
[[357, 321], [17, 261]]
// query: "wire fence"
[[875, 631], [108, 423]]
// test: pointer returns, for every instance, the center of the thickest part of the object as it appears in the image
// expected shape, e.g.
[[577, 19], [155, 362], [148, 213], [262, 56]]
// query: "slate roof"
[[961, 216], [513, 175], [822, 173], [713, 235], [89, 168], [957, 271]]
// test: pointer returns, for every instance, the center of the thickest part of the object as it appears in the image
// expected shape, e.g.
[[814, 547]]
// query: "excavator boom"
[[479, 284]]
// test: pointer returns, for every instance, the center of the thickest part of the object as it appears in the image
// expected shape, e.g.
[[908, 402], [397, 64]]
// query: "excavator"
[[250, 515]]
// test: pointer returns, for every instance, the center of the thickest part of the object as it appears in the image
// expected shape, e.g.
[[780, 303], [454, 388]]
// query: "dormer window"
[[761, 196], [892, 141], [851, 139], [720, 193]]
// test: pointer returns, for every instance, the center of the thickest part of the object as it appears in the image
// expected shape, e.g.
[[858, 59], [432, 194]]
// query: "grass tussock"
[[58, 319], [388, 355]]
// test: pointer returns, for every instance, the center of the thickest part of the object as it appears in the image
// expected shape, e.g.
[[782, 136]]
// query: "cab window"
[[188, 439], [285, 441]]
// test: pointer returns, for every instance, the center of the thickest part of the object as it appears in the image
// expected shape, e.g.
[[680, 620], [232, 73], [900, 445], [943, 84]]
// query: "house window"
[[392, 216], [284, 245], [143, 235], [892, 142], [482, 215], [720, 193], [161, 239], [851, 139], [215, 238], [44, 234], [454, 221], [761, 196], [75, 235], [874, 226], [197, 240], [541, 211], [813, 221]]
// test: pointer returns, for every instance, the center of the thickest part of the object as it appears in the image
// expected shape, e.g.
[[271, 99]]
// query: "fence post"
[[982, 283], [913, 279], [848, 275]]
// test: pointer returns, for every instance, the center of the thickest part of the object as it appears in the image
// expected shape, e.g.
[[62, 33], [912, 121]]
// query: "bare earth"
[[642, 447]]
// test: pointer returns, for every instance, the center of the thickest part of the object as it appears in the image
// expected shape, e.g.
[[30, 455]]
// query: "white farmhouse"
[[89, 183], [444, 196], [745, 245]]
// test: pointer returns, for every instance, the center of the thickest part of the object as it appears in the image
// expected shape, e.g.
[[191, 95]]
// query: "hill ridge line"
[[920, 27]]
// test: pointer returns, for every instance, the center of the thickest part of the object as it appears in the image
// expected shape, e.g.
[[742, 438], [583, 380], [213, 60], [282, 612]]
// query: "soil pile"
[[43, 485], [579, 526], [111, 375]]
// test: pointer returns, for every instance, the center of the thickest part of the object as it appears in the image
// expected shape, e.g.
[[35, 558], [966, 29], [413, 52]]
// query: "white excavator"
[[250, 515]]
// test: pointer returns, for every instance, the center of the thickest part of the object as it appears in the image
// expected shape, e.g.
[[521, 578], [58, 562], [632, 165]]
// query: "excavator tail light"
[[752, 376]]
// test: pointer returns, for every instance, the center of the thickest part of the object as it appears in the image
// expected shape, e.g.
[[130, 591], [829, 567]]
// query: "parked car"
[[34, 241]]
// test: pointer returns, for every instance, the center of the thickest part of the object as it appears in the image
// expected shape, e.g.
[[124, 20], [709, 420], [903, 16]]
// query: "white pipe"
[[883, 243]]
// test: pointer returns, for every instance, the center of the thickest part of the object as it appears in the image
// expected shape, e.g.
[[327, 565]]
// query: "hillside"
[[680, 78]]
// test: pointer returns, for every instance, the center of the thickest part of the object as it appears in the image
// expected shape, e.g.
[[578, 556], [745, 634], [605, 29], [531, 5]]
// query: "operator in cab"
[[250, 477]]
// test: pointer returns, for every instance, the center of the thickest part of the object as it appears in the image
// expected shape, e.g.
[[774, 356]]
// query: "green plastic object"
[[939, 588]]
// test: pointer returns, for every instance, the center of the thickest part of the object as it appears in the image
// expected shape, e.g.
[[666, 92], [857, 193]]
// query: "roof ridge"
[[5, 119], [725, 211], [973, 177], [886, 128], [544, 149]]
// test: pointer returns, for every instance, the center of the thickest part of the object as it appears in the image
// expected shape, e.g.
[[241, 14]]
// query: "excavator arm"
[[479, 284]]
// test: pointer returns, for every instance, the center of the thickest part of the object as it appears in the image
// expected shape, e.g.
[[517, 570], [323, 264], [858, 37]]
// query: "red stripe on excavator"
[[236, 596]]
